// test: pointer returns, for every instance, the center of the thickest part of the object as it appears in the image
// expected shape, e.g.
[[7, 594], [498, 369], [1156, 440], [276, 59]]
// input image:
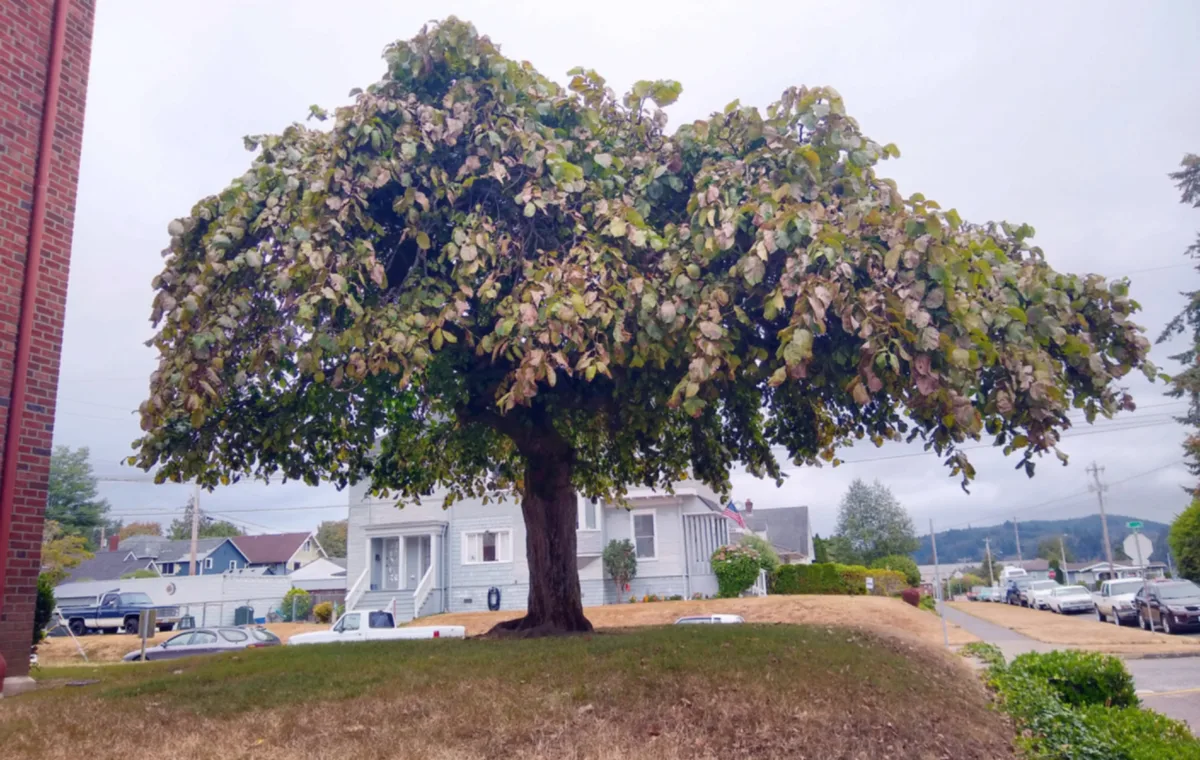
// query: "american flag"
[[731, 511]]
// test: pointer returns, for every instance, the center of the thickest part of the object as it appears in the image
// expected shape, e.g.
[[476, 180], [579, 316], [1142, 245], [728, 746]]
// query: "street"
[[1170, 686]]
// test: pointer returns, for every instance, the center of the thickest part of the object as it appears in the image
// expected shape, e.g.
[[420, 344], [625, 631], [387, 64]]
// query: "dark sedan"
[[207, 641], [1173, 606]]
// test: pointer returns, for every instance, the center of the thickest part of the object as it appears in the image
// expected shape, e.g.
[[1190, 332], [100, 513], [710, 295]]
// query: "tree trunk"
[[549, 508]]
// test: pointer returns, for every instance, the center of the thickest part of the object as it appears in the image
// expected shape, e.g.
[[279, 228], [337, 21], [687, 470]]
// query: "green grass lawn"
[[687, 691]]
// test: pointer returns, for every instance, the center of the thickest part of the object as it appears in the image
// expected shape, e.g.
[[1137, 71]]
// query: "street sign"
[[1133, 524], [1138, 547], [870, 584]]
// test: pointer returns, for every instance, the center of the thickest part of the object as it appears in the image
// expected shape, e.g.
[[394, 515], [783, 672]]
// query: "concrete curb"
[[1157, 655]]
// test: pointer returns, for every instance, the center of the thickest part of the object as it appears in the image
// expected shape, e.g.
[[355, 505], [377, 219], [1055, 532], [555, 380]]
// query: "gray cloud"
[[1067, 116]]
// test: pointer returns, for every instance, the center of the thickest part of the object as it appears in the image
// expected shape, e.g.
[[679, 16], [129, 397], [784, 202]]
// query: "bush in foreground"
[[901, 564], [1034, 690], [768, 558], [1081, 678]]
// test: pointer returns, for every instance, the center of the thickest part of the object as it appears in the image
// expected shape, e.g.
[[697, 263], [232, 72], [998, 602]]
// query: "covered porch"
[[403, 568]]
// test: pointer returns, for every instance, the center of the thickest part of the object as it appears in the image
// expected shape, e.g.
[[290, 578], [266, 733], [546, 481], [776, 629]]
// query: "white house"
[[422, 559]]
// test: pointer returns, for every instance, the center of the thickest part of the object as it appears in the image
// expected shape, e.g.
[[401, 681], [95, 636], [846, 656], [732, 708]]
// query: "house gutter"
[[29, 292]]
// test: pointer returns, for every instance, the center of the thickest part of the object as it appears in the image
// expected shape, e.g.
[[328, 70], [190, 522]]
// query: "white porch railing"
[[356, 591], [424, 589], [760, 586]]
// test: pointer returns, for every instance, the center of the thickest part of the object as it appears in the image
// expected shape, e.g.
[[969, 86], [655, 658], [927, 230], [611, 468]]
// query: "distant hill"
[[1083, 536]]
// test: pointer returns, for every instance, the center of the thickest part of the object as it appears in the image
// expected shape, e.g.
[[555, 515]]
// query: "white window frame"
[[500, 560], [581, 516], [633, 531], [208, 563], [233, 564], [307, 545]]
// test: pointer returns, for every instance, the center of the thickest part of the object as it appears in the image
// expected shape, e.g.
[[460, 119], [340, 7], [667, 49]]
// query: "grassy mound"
[[670, 692]]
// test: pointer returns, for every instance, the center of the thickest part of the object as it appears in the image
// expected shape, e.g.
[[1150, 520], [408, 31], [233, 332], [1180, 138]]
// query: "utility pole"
[[937, 575], [987, 545], [103, 539], [1063, 553], [1017, 533], [1100, 488], [195, 527]]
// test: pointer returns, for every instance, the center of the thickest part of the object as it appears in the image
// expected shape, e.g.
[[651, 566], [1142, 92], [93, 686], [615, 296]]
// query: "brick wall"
[[25, 38]]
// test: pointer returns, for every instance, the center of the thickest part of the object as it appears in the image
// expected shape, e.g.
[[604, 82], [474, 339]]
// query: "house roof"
[[785, 527], [270, 548], [106, 566], [181, 551]]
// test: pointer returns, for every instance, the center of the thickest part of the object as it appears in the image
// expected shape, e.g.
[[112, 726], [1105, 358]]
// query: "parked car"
[[702, 619], [1173, 606], [375, 626], [1114, 600], [207, 641], [1070, 600], [117, 610], [1036, 594], [1016, 586]]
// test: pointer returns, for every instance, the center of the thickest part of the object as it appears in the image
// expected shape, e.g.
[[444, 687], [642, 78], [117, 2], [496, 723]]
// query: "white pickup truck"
[[1114, 600], [375, 626]]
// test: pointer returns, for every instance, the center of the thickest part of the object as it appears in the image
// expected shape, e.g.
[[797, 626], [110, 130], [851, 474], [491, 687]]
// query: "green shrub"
[[854, 580], [927, 603], [736, 568], [1141, 734], [901, 564], [768, 558], [323, 612], [1047, 728], [43, 609], [295, 606], [620, 564], [820, 578], [1080, 678], [675, 598]]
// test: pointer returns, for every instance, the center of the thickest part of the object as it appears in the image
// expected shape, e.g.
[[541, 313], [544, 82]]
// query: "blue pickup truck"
[[117, 610]]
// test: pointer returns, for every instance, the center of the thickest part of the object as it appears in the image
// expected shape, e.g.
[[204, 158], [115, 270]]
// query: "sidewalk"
[[1010, 642]]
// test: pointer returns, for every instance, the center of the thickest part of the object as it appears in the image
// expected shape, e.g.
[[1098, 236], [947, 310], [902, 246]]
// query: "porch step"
[[382, 600]]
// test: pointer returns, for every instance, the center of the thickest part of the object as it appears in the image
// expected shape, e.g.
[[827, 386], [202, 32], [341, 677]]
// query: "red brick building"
[[45, 49]]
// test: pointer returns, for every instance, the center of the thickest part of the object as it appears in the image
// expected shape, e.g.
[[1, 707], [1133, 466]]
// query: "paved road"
[[1171, 686]]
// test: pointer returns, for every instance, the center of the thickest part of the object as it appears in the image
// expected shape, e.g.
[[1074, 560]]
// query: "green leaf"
[[530, 209], [603, 159], [422, 241], [1020, 441]]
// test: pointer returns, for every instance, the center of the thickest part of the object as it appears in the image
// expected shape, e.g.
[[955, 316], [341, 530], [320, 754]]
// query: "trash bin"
[[243, 616]]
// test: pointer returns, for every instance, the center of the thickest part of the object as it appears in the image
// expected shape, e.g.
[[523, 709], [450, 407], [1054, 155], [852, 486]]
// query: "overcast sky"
[[1067, 116]]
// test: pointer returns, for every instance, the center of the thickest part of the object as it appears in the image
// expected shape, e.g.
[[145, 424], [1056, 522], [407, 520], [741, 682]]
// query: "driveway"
[[1170, 686]]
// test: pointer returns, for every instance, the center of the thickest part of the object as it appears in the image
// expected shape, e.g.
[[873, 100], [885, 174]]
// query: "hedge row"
[[829, 578], [1081, 706]]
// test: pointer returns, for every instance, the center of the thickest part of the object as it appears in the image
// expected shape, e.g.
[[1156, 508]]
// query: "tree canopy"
[[72, 499], [141, 529], [1184, 540], [61, 551], [874, 522], [331, 535], [511, 283], [1186, 383], [209, 527], [1049, 547]]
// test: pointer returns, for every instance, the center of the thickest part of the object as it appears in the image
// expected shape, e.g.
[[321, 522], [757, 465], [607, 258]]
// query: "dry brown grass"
[[61, 650], [728, 692], [1081, 631], [870, 612]]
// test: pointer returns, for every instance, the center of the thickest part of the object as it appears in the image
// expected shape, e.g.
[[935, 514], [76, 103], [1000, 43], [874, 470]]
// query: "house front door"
[[385, 563]]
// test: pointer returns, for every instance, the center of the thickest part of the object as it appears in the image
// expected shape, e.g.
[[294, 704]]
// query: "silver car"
[[207, 641], [709, 619]]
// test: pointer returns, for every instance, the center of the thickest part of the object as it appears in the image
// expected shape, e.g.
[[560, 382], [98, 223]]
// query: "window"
[[645, 533], [347, 623], [587, 516], [233, 635], [182, 639], [295, 565], [168, 568], [487, 546], [208, 563], [203, 637], [307, 545], [233, 564]]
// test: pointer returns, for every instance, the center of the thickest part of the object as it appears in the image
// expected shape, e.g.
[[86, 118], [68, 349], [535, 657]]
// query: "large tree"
[[874, 522], [477, 279], [140, 529], [331, 535], [1052, 547], [1186, 383], [1184, 540], [207, 526], [72, 498], [61, 551]]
